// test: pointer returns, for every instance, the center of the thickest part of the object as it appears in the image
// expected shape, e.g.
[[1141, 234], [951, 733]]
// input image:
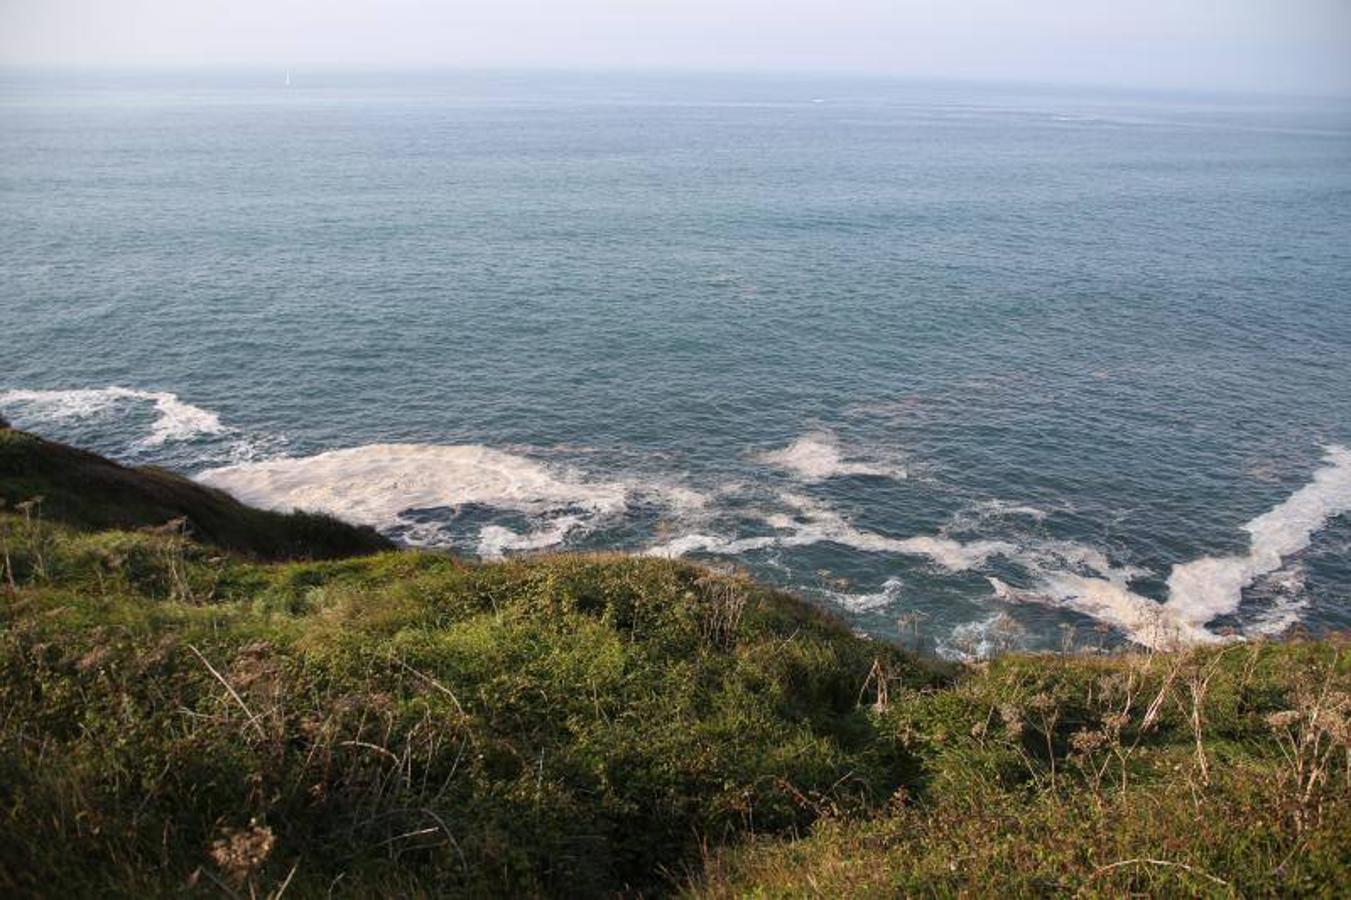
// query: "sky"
[[1297, 46]]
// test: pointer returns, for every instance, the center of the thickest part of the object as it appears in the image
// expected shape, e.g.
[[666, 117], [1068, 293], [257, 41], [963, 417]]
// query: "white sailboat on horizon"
[[288, 77]]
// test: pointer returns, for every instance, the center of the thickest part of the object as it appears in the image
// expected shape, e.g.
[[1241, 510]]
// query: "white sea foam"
[[379, 484], [953, 555], [1106, 597], [1142, 620], [495, 541], [709, 543], [889, 594], [817, 456], [375, 484], [1010, 594], [175, 419], [1054, 555], [1285, 590], [1205, 589], [814, 523], [980, 639], [1081, 578], [1202, 590], [980, 512]]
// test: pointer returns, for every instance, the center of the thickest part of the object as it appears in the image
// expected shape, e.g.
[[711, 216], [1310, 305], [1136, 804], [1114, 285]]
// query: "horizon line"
[[146, 66]]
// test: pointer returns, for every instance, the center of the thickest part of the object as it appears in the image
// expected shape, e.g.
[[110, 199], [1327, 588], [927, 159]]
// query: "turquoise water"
[[990, 355]]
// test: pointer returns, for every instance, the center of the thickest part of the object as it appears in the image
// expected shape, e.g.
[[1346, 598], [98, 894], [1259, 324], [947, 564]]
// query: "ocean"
[[975, 365]]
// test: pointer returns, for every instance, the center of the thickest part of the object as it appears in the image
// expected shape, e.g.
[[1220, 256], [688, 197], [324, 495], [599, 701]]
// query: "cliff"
[[180, 716]]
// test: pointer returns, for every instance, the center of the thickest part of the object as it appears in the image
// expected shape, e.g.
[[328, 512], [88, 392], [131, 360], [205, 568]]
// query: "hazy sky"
[[1279, 45]]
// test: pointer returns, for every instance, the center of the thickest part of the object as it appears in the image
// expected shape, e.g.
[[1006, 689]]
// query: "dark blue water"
[[881, 342]]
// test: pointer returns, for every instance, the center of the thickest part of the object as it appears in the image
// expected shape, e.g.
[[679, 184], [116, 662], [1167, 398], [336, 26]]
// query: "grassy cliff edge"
[[175, 720], [90, 492]]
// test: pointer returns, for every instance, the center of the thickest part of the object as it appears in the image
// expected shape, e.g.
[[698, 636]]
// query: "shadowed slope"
[[87, 491]]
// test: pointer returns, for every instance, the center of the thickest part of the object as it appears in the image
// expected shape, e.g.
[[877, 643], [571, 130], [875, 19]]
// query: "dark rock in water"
[[4, 423]]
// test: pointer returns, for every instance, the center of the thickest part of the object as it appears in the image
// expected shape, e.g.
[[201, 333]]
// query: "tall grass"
[[409, 724], [179, 718]]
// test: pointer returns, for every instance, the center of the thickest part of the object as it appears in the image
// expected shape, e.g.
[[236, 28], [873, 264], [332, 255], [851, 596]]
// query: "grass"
[[90, 492], [1098, 776], [178, 720], [406, 723]]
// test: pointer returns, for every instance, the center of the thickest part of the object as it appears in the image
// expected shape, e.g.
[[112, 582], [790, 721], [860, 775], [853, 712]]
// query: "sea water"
[[971, 361]]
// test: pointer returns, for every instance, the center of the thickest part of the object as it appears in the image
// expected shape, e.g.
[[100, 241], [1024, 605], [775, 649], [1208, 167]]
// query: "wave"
[[980, 514], [1143, 620], [1208, 588], [376, 483], [382, 484], [889, 594], [817, 457], [379, 484], [1288, 602], [980, 639], [709, 543], [175, 420], [1083, 579], [813, 523], [495, 541]]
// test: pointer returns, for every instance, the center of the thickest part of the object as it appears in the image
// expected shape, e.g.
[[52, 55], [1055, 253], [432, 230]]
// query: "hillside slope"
[[410, 724], [178, 721], [88, 491]]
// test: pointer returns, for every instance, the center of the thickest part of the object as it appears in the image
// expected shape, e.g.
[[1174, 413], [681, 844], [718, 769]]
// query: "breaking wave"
[[889, 594], [380, 484], [812, 523], [807, 522], [175, 420], [980, 639], [400, 487], [817, 457], [1083, 579], [1208, 588]]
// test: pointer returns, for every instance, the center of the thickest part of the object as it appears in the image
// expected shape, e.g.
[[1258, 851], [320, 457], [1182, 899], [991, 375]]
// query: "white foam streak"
[[709, 543], [1200, 591], [495, 541], [816, 524], [176, 420], [981, 512], [1205, 589], [817, 456], [821, 525], [980, 639], [379, 484], [375, 484], [889, 594], [1143, 620]]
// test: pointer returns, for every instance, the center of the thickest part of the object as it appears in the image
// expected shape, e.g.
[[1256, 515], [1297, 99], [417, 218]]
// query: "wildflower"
[[1086, 741], [1041, 702], [1283, 719], [1112, 685], [94, 659], [239, 852]]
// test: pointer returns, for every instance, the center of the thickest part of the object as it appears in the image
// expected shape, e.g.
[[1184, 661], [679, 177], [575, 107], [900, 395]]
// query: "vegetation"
[[1218, 772], [177, 720], [91, 492], [408, 722]]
